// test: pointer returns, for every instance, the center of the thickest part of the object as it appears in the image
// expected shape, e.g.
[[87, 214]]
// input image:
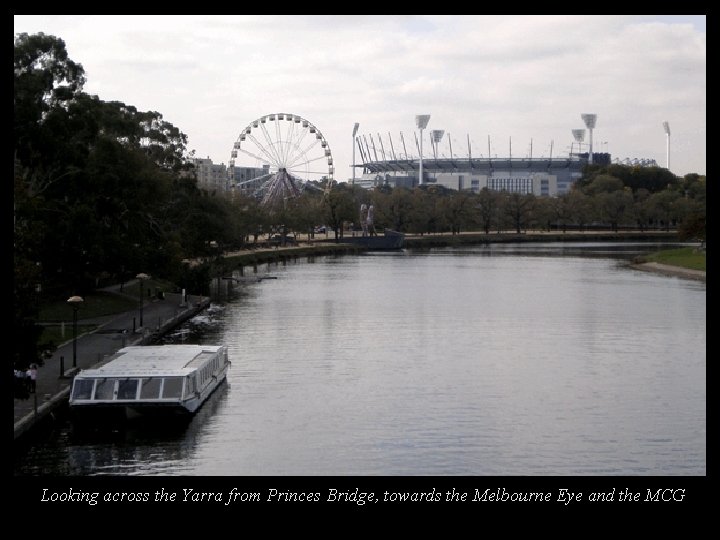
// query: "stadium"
[[542, 176]]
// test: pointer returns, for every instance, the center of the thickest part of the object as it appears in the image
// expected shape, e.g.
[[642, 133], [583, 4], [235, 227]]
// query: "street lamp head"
[[422, 120], [75, 301]]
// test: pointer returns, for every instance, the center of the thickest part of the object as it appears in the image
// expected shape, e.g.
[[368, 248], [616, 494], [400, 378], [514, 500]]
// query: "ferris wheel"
[[292, 152]]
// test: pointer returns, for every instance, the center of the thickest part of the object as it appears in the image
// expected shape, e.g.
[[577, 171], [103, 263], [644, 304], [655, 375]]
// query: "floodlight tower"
[[422, 121], [437, 135], [579, 135], [666, 126], [590, 120], [355, 128]]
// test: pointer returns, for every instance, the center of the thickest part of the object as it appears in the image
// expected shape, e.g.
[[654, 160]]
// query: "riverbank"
[[668, 270], [329, 246]]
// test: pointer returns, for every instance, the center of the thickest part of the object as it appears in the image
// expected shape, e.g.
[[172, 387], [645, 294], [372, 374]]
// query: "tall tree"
[[518, 208], [487, 208]]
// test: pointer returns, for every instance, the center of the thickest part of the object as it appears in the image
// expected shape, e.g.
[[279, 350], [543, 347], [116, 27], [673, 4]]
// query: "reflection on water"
[[125, 449], [488, 360]]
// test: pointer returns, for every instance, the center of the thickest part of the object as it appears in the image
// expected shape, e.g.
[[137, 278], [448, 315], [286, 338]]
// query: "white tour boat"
[[145, 380]]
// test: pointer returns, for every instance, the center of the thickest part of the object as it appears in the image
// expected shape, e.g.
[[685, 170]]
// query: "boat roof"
[[153, 361]]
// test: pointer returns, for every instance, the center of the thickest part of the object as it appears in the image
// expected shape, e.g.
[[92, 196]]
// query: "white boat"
[[148, 380]]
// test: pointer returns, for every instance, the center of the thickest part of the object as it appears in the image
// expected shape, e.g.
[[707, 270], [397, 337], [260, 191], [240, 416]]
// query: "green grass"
[[96, 304], [53, 336], [687, 257], [101, 303]]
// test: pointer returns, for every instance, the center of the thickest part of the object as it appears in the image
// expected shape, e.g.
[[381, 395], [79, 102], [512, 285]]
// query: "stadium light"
[[666, 127], [579, 135], [422, 121], [589, 120], [437, 135]]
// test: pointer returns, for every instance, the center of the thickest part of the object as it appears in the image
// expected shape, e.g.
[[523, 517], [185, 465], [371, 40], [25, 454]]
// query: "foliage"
[[653, 179]]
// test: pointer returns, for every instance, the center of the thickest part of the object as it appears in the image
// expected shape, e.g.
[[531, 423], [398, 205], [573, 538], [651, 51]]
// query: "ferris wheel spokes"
[[295, 151], [270, 155]]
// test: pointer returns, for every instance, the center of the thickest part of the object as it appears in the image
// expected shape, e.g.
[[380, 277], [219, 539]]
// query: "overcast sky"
[[525, 79]]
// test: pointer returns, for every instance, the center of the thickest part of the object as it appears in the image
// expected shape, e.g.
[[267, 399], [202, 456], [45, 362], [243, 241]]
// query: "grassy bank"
[[687, 257], [56, 315]]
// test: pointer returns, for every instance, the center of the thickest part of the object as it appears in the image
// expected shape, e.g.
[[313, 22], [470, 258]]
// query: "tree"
[[308, 212], [45, 78], [339, 207], [603, 183], [579, 207], [396, 208], [518, 208], [487, 208], [662, 206], [552, 210], [641, 210], [693, 228], [456, 210], [614, 206], [635, 177], [424, 215]]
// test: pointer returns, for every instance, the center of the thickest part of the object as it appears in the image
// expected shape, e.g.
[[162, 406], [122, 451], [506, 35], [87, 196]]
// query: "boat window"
[[127, 389], [150, 389], [172, 387], [190, 384], [104, 388], [82, 389]]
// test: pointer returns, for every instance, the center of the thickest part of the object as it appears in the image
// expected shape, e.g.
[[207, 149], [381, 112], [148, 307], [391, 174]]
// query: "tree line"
[[103, 191]]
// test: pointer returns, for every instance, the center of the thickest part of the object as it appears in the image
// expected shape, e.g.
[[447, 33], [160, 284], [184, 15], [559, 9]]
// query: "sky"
[[520, 82]]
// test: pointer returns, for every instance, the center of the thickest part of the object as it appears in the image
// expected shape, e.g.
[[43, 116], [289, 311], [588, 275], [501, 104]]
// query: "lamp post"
[[355, 128], [75, 302], [142, 277], [422, 121]]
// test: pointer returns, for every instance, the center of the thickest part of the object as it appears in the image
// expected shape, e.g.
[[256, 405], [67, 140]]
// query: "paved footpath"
[[113, 333]]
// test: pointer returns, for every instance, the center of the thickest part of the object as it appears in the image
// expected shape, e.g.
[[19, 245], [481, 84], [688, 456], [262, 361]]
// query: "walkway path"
[[113, 333]]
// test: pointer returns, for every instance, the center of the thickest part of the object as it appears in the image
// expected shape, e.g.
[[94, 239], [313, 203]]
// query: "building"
[[211, 176], [246, 180], [217, 177], [540, 176]]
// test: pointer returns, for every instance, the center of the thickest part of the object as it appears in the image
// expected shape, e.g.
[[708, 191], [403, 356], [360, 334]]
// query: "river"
[[507, 359]]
